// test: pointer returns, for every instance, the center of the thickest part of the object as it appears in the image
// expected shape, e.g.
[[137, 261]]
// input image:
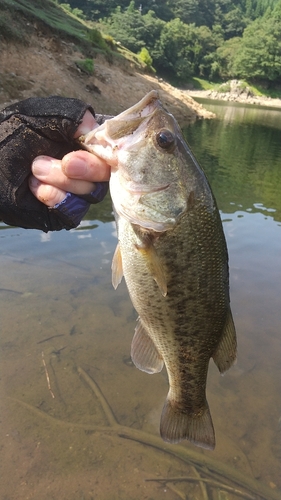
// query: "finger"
[[88, 123], [49, 171], [86, 166], [49, 195]]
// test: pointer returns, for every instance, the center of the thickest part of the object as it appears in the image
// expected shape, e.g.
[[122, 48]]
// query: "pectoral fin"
[[144, 353], [225, 354], [154, 264], [117, 267]]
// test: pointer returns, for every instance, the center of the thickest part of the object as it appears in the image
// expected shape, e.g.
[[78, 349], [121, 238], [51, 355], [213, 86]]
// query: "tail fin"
[[175, 426]]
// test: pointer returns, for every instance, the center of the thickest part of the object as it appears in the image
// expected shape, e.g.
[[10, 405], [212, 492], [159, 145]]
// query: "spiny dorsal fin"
[[225, 354], [144, 353], [117, 267]]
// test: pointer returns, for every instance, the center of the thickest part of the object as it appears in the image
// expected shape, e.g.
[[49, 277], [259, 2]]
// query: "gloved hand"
[[45, 126]]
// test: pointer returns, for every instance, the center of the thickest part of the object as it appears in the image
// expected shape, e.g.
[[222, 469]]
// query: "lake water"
[[62, 322]]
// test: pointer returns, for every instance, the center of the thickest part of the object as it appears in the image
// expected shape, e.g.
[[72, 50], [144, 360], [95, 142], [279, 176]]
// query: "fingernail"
[[33, 182], [41, 166], [75, 167]]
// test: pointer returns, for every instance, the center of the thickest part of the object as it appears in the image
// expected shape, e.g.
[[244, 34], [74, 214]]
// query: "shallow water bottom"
[[59, 314]]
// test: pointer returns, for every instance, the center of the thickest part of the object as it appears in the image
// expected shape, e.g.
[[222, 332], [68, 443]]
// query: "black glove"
[[33, 127]]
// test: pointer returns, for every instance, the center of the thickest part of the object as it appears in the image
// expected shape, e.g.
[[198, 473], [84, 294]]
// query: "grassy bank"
[[17, 14], [21, 18]]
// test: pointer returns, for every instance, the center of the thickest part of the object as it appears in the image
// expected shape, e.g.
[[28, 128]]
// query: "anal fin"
[[225, 354], [144, 354], [175, 425]]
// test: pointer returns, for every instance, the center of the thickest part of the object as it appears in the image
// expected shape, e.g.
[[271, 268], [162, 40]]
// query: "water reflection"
[[242, 159], [243, 113], [57, 298]]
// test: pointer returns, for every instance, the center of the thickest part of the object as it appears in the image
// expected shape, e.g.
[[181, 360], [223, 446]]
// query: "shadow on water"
[[66, 333]]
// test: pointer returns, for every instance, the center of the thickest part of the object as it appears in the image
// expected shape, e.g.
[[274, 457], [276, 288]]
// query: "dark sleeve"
[[29, 128]]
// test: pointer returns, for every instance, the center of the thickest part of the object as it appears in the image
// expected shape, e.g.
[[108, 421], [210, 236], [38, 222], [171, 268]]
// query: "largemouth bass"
[[172, 252]]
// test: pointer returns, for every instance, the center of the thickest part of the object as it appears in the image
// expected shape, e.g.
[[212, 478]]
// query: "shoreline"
[[234, 98], [42, 69]]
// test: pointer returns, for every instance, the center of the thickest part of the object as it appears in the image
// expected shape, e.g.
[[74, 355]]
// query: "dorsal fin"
[[225, 354]]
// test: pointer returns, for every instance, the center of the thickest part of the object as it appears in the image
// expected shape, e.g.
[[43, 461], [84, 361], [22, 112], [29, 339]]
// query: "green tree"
[[259, 54], [211, 38], [185, 10], [152, 27], [223, 59], [175, 49], [135, 30], [127, 27], [204, 46], [145, 57], [186, 50], [234, 23]]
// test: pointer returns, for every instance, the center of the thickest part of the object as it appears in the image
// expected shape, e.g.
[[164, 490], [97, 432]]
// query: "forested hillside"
[[45, 50], [211, 39]]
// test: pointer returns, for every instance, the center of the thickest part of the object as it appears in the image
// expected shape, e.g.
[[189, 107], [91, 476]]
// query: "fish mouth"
[[105, 140], [141, 109]]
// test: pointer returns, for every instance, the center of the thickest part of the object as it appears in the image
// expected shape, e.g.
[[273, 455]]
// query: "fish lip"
[[143, 106]]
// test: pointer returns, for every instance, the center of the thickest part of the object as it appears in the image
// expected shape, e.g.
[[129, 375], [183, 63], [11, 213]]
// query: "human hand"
[[79, 172], [48, 126]]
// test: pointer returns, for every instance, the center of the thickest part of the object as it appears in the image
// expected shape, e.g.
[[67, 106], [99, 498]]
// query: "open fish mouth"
[[122, 125]]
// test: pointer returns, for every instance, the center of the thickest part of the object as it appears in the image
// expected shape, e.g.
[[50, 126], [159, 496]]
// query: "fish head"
[[153, 173]]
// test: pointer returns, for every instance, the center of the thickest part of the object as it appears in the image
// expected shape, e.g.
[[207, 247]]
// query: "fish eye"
[[165, 139]]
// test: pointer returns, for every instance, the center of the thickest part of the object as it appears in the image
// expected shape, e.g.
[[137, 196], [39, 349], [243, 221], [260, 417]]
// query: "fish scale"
[[172, 252]]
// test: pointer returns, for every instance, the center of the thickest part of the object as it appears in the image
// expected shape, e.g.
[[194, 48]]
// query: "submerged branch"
[[215, 484], [59, 421], [201, 483], [96, 390], [199, 460], [186, 455]]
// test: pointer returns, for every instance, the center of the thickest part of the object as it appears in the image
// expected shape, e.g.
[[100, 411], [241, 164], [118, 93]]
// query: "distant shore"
[[230, 97]]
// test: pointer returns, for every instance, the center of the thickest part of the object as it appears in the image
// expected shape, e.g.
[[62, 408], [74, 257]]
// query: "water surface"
[[60, 313]]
